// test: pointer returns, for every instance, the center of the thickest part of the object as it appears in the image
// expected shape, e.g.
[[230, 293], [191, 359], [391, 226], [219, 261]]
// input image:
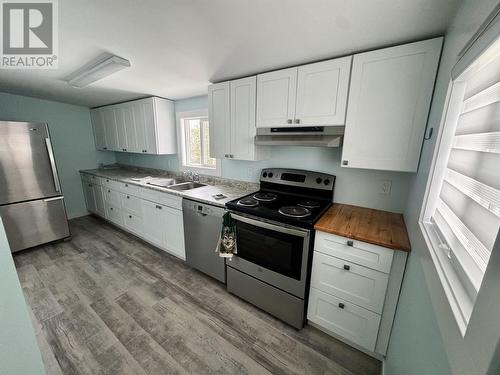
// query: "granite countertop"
[[381, 228], [232, 189]]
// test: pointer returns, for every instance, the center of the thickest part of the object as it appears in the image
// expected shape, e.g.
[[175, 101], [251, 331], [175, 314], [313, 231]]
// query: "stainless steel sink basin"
[[186, 186], [162, 182]]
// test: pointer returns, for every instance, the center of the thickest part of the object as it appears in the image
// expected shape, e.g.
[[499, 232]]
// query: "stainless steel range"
[[275, 239]]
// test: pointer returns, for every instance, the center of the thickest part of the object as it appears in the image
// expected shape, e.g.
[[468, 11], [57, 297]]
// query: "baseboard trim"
[[77, 215]]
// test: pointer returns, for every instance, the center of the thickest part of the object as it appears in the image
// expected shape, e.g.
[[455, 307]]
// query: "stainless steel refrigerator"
[[31, 201]]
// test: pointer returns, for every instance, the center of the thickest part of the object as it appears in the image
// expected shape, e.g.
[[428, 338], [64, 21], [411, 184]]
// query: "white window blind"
[[463, 205]]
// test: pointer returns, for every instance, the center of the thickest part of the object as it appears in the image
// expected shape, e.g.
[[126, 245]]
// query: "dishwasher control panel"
[[202, 208]]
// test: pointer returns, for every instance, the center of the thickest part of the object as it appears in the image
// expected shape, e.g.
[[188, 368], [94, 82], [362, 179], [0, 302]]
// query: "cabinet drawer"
[[357, 284], [127, 188], [362, 253], [164, 198], [343, 318], [114, 214], [131, 204], [133, 223], [112, 197]]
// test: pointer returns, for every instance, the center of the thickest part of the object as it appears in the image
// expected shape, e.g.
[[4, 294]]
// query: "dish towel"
[[226, 246]]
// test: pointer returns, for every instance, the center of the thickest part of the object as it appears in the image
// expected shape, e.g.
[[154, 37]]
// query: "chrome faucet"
[[193, 176]]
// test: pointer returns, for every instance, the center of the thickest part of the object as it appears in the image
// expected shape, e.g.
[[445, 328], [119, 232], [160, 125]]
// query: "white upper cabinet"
[[308, 95], [141, 126], [109, 123], [322, 93], [231, 108], [276, 93], [389, 99], [99, 131], [218, 119]]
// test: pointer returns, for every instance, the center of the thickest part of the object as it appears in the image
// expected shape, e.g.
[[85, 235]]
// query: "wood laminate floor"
[[108, 303]]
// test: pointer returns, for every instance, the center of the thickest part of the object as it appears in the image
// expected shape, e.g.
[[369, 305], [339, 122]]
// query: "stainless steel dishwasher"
[[202, 227]]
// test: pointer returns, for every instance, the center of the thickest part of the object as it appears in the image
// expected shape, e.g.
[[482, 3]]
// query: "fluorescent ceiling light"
[[95, 71]]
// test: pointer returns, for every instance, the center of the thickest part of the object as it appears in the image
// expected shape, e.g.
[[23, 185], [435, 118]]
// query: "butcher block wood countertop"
[[381, 228]]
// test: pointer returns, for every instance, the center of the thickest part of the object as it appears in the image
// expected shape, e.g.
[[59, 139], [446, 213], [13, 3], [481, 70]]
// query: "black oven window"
[[279, 252]]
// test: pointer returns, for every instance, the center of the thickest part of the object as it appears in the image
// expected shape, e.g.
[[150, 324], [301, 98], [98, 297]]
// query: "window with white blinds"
[[462, 210]]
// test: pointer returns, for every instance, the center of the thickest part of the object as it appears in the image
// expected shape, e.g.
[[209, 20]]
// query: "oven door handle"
[[277, 228]]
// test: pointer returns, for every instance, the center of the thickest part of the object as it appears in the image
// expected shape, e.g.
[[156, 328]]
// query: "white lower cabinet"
[[100, 208], [354, 290], [133, 223], [346, 319], [88, 193], [114, 213], [174, 233], [152, 215], [154, 222]]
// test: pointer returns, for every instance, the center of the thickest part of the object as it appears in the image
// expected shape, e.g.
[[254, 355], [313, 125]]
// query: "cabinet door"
[[99, 201], [276, 92], [174, 232], [154, 223], [120, 128], [130, 129], [219, 120], [99, 132], [110, 129], [322, 92], [389, 100], [243, 92], [133, 223], [143, 112], [88, 192]]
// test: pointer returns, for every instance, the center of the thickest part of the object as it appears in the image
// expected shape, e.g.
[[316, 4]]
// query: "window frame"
[[181, 140], [456, 288]]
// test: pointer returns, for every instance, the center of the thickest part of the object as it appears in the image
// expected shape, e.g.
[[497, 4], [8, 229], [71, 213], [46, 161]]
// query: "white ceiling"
[[176, 47]]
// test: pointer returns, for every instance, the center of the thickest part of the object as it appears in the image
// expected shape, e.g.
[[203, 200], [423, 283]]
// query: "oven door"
[[273, 253]]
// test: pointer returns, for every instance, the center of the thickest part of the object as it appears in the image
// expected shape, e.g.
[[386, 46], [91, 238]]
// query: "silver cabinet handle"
[[297, 121], [289, 121], [53, 165]]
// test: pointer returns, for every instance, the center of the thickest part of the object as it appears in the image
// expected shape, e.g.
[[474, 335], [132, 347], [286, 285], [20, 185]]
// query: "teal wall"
[[19, 353], [425, 338], [72, 139], [353, 186]]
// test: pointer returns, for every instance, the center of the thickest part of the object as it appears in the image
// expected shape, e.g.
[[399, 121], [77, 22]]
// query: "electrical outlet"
[[385, 187]]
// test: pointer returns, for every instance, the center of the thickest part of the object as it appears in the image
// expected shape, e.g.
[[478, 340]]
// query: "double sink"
[[173, 184]]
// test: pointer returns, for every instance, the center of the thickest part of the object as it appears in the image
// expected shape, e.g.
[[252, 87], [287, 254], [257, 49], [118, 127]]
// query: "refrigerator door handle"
[[53, 199], [53, 164]]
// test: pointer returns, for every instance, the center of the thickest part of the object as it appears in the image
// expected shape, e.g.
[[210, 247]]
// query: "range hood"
[[311, 136]]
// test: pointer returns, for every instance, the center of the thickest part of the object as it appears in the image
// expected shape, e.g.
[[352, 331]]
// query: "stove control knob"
[[270, 174], [326, 182], [319, 180], [264, 174]]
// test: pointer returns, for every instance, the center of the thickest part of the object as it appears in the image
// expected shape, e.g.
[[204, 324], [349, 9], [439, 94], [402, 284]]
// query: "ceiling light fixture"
[[95, 71]]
